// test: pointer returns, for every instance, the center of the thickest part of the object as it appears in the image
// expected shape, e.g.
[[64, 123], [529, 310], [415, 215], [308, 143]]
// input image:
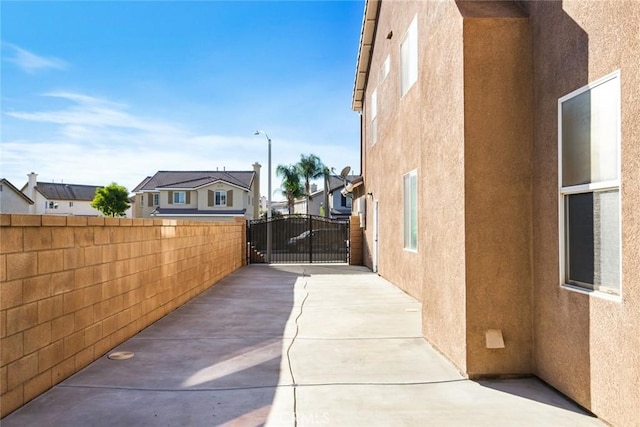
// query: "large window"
[[410, 202], [409, 57], [374, 116], [220, 198], [179, 197], [589, 186]]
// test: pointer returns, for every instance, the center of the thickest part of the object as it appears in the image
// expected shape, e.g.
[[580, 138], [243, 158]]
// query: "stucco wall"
[[72, 288], [442, 199], [586, 346], [481, 128], [11, 202], [497, 93], [399, 138]]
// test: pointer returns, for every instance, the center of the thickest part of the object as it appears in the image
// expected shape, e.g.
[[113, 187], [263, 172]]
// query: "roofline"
[[167, 187], [13, 187], [367, 36], [63, 198]]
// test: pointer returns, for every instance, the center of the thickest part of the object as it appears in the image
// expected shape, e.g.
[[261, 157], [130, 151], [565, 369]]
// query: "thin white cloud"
[[32, 63], [89, 111]]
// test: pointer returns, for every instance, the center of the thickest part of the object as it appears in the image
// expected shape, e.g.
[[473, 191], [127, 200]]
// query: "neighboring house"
[[13, 200], [339, 203], [502, 185], [199, 195], [59, 198]]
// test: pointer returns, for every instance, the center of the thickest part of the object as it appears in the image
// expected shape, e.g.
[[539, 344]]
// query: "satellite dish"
[[345, 172]]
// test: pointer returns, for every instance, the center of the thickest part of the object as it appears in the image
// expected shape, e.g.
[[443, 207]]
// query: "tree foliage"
[[310, 167], [291, 186], [112, 200]]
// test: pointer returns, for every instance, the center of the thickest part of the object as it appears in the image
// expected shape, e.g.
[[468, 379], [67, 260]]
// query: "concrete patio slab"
[[291, 345], [454, 403], [354, 361]]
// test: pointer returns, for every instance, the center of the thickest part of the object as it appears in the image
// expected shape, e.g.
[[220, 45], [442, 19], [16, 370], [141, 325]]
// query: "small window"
[[410, 201], [220, 198], [589, 186], [179, 197], [156, 199], [386, 67], [70, 204], [374, 116], [345, 201], [409, 57]]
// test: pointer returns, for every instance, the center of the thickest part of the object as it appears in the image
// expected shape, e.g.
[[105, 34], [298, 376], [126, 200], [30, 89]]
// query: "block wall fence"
[[72, 288], [355, 241]]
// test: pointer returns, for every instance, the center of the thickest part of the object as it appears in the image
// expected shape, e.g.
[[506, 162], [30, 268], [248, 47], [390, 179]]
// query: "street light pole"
[[258, 132]]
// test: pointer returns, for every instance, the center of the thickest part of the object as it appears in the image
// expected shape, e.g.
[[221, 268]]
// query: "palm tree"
[[291, 186], [309, 167]]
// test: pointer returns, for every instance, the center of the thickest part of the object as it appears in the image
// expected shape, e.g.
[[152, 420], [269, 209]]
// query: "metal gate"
[[298, 239]]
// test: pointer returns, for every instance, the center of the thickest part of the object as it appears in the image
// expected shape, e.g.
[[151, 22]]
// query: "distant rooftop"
[[194, 179]]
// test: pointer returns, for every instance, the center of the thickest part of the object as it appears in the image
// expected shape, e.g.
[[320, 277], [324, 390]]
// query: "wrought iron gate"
[[298, 239]]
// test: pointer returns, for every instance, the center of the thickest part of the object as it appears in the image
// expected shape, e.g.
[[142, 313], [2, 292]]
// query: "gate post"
[[355, 241]]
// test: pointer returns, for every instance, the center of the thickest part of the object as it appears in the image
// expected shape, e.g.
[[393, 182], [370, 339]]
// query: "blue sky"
[[95, 92]]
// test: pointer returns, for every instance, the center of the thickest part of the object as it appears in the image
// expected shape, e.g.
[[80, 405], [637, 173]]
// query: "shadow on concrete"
[[533, 389], [221, 358]]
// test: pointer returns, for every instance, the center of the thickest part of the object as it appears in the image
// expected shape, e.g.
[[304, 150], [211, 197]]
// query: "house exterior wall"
[[407, 128], [199, 199], [480, 127], [586, 346], [10, 202], [142, 207], [497, 150], [72, 288], [78, 207]]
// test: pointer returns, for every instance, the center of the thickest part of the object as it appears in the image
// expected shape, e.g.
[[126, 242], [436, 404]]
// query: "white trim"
[[593, 293], [588, 188], [199, 187]]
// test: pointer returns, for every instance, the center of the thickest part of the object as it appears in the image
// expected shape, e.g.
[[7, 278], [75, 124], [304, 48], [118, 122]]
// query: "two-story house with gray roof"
[[199, 195], [58, 198]]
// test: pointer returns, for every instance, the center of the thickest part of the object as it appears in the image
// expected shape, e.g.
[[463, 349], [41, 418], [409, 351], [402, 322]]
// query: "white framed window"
[[70, 204], [156, 199], [220, 198], [409, 57], [386, 67], [589, 187], [179, 197], [346, 201], [374, 116], [410, 210]]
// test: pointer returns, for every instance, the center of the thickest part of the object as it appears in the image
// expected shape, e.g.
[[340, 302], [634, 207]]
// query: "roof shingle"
[[194, 179]]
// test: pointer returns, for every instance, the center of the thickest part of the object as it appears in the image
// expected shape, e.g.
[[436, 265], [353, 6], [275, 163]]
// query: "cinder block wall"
[[72, 288], [355, 241]]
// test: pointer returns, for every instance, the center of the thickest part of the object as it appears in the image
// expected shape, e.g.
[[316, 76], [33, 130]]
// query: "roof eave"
[[367, 35]]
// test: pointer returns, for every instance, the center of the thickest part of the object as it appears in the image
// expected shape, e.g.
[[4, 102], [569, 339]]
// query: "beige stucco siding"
[[586, 346], [497, 92], [442, 211], [480, 127]]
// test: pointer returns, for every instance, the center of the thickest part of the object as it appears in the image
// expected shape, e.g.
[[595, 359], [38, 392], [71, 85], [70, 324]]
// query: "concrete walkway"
[[326, 345]]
